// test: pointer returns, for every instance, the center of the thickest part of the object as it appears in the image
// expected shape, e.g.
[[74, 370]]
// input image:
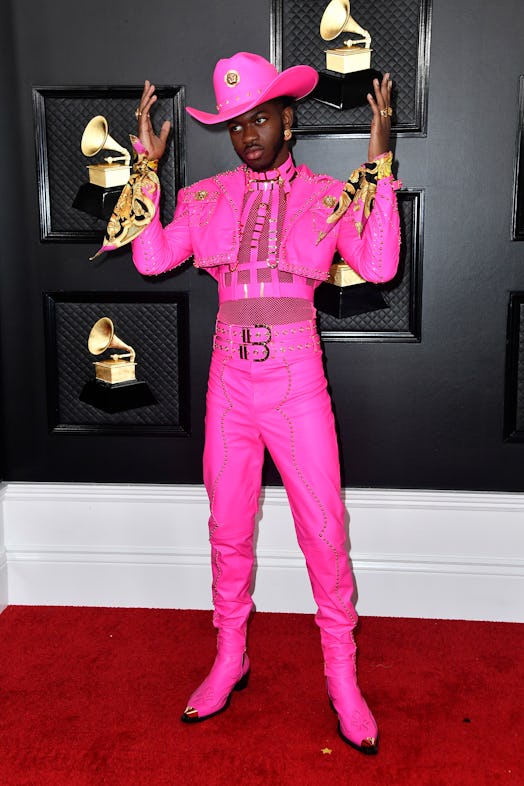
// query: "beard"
[[264, 157]]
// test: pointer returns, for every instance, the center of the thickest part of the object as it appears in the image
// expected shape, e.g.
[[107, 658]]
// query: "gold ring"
[[138, 113], [386, 111]]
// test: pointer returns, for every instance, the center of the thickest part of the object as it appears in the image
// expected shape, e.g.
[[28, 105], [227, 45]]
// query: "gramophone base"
[[117, 398], [348, 301], [345, 91], [97, 200]]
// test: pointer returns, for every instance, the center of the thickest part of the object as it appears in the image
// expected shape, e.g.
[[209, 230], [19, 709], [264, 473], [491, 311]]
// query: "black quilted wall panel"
[[519, 414], [157, 331], [401, 321], [61, 115], [514, 405], [520, 380], [400, 36], [517, 219]]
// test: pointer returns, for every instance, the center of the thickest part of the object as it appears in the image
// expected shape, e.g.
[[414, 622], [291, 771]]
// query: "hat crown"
[[241, 78]]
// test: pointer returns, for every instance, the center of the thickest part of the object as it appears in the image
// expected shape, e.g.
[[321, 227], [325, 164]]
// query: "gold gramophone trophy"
[[115, 387], [119, 367], [107, 177], [348, 77]]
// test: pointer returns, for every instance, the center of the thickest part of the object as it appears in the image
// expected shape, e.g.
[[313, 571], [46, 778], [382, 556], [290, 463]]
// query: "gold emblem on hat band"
[[231, 78]]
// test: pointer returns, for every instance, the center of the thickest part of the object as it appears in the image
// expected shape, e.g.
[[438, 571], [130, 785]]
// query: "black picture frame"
[[402, 320], [60, 116], [401, 35], [155, 325], [514, 376], [517, 215]]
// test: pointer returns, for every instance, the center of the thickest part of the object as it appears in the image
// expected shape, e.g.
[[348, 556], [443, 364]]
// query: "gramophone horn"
[[102, 337], [96, 137], [337, 19]]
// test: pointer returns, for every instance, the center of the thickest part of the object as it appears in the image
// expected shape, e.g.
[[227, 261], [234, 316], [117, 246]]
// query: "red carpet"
[[93, 696]]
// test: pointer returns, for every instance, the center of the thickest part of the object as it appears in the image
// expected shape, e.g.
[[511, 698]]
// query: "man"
[[267, 233]]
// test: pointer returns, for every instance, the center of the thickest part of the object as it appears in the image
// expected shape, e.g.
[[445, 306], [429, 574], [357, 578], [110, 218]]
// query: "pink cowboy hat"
[[246, 80]]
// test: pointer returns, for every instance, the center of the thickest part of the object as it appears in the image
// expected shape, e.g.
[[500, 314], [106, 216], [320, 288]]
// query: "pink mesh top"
[[255, 290]]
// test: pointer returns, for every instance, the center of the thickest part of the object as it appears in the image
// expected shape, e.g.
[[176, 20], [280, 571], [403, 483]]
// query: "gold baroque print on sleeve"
[[134, 209], [361, 187]]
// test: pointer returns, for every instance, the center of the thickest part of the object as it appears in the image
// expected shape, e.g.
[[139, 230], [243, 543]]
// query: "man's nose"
[[250, 133]]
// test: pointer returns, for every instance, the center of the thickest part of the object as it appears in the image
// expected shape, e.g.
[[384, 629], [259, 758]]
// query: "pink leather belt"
[[259, 343]]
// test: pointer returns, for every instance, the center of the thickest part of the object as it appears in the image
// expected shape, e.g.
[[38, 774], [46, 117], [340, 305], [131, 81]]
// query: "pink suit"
[[207, 227], [267, 389]]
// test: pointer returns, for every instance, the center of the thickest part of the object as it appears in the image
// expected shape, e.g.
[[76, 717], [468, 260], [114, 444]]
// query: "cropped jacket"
[[206, 226]]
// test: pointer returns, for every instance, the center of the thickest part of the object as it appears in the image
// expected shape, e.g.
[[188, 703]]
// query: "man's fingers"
[[147, 98], [164, 131], [383, 90]]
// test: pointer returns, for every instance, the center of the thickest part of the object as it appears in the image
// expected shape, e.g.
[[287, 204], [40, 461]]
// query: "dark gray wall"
[[426, 415], [13, 331]]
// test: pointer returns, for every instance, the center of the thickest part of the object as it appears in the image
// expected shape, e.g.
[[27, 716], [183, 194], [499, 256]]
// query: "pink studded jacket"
[[206, 226]]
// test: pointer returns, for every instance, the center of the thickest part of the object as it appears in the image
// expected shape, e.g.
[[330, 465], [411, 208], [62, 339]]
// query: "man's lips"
[[253, 153]]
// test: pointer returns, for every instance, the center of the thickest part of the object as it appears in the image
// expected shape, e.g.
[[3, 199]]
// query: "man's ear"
[[288, 116]]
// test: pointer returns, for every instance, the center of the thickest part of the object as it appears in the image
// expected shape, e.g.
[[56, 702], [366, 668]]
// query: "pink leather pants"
[[281, 403]]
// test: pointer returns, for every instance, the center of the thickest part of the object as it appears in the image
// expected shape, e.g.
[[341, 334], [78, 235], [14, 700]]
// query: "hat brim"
[[295, 82]]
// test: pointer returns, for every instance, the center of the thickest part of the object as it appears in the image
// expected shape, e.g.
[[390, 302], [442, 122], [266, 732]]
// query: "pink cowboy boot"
[[232, 566], [357, 725], [229, 672]]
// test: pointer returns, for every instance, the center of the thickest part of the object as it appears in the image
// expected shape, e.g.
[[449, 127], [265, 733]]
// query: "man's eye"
[[234, 129], [260, 120]]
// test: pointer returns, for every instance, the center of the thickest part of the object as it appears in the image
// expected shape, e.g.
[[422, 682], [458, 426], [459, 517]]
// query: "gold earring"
[[288, 134]]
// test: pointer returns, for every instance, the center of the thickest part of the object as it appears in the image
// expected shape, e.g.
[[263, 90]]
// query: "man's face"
[[258, 135]]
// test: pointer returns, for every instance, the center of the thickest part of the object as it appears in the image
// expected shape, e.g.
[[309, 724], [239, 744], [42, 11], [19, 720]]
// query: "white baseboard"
[[426, 554], [3, 557]]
